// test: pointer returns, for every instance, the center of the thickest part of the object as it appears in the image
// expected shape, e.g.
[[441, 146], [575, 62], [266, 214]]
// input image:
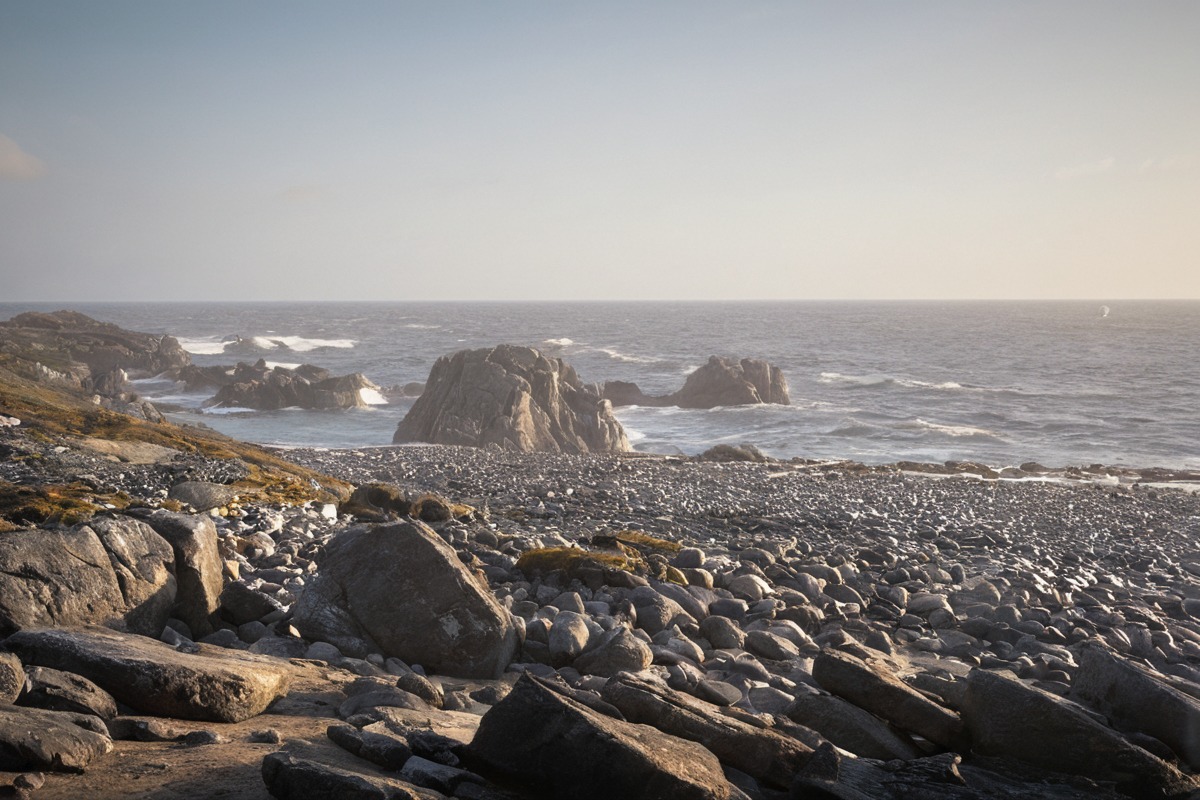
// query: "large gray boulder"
[[33, 738], [1010, 719], [541, 738], [112, 571], [267, 388], [764, 754], [400, 590], [154, 678], [720, 382], [850, 728], [198, 566], [513, 397], [289, 777], [874, 688], [1134, 700]]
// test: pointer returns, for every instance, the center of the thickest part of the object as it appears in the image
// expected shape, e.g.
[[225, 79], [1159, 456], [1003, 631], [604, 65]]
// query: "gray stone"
[[33, 738], [113, 570], [241, 604], [291, 778], [198, 566], [548, 741], [849, 727], [201, 495], [55, 690], [513, 397], [12, 677], [765, 644], [152, 677], [617, 650], [401, 588], [568, 637], [722, 632]]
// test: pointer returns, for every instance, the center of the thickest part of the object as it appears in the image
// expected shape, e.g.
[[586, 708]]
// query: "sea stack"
[[514, 398], [720, 382]]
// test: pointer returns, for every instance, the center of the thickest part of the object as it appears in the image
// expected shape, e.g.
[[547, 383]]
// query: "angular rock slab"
[[546, 740], [1010, 719], [402, 589], [884, 695], [198, 566], [110, 571], [32, 738], [1135, 700], [762, 753], [215, 684], [290, 778]]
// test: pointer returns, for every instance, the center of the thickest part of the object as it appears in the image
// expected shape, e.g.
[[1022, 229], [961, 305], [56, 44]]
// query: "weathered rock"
[[213, 684], [568, 637], [541, 738], [55, 690], [101, 346], [403, 589], [51, 740], [12, 677], [720, 382], [375, 743], [198, 566], [111, 570], [377, 502], [849, 727], [513, 397], [240, 604], [881, 693], [1134, 700], [267, 388], [765, 754], [291, 778], [616, 650], [722, 632], [202, 495], [1007, 718]]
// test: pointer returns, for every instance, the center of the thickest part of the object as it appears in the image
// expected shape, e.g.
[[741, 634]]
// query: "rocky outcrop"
[[538, 736], [514, 398], [155, 678], [64, 337], [266, 388], [720, 382], [112, 570], [400, 590], [32, 738]]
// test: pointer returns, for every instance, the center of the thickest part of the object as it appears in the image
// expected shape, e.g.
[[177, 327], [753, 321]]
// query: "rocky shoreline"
[[184, 615]]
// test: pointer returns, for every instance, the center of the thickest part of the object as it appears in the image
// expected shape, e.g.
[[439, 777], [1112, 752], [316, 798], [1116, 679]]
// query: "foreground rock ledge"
[[214, 684]]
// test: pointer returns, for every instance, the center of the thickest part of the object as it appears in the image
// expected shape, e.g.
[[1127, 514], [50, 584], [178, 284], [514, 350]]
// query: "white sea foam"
[[208, 346], [634, 436], [421, 326], [954, 430], [563, 342], [880, 380], [224, 410], [300, 344], [372, 397], [282, 364], [616, 355], [858, 380]]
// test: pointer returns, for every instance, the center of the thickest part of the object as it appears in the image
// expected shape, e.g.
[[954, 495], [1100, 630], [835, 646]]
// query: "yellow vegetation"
[[568, 559], [644, 542], [68, 504]]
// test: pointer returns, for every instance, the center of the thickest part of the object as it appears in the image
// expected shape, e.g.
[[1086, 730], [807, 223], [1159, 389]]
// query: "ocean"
[[1001, 383]]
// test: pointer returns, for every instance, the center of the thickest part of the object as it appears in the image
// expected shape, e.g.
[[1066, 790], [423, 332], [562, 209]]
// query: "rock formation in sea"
[[514, 398], [720, 382], [266, 388]]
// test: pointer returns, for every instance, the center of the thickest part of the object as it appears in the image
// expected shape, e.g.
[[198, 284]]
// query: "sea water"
[[1061, 383]]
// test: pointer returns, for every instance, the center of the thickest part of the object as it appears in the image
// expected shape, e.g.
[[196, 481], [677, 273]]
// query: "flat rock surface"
[[213, 684]]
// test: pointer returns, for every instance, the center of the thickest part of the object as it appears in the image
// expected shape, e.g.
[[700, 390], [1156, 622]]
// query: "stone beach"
[[444, 621]]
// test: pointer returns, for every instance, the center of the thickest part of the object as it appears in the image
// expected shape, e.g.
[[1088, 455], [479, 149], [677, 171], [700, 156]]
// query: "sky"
[[521, 150]]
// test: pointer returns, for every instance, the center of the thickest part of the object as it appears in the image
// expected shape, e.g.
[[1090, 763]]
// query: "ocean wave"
[[208, 346], [222, 411], [421, 326], [888, 380], [372, 397], [301, 344], [281, 364], [953, 430], [563, 342], [617, 355], [211, 346]]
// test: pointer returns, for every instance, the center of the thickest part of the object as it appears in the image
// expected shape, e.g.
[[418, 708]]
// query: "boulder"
[[540, 738], [212, 684], [513, 397], [289, 777], [720, 382], [265, 388], [849, 727], [12, 677], [1134, 700], [198, 566], [1010, 719], [111, 570], [762, 753], [55, 690], [33, 738], [202, 495], [876, 690], [400, 590], [616, 650]]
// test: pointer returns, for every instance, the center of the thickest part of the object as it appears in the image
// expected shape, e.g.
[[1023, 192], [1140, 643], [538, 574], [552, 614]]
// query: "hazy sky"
[[599, 150]]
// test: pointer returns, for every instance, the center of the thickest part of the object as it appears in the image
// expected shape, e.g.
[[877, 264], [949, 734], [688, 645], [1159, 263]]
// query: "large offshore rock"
[[1010, 719], [198, 566], [513, 397], [400, 590], [112, 570], [33, 738], [720, 382], [540, 738], [154, 678], [267, 388], [1134, 700], [884, 695], [765, 754]]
